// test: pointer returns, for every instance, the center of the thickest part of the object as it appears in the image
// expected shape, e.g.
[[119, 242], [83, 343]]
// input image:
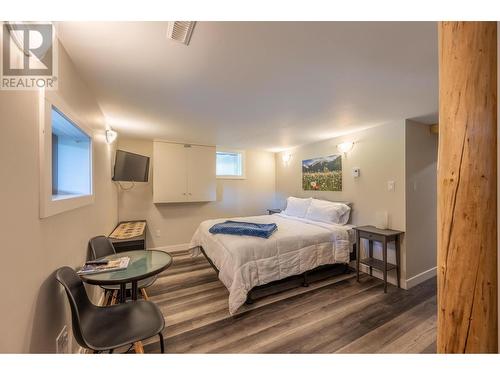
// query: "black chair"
[[101, 246], [107, 328]]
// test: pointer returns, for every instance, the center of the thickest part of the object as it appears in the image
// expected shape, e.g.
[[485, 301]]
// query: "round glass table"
[[143, 264]]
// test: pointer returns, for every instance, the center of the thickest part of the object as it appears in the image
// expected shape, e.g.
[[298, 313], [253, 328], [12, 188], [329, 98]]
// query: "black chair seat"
[[110, 327], [107, 328], [140, 284]]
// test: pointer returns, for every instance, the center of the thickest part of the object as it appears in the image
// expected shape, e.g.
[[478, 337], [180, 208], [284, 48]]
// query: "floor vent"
[[180, 31]]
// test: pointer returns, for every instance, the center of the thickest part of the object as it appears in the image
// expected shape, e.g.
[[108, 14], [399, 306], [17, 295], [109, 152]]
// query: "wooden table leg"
[[106, 298], [384, 254], [113, 297], [358, 254], [398, 255], [138, 348]]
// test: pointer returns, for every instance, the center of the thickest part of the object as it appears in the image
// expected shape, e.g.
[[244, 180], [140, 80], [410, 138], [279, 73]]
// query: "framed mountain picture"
[[323, 174]]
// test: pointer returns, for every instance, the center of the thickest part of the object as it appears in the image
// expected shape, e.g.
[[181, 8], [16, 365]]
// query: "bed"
[[299, 245]]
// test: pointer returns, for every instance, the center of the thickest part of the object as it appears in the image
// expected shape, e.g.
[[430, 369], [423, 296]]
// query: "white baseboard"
[[178, 247], [421, 277], [405, 284]]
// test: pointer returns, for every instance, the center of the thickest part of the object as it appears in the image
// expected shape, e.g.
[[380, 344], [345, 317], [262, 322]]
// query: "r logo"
[[28, 60]]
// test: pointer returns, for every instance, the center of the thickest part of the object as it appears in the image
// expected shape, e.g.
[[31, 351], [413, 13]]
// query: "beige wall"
[[178, 221], [404, 152], [379, 152], [34, 308], [421, 200]]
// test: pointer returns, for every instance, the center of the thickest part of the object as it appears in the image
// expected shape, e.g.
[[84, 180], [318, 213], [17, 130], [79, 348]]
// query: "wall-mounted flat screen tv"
[[131, 167]]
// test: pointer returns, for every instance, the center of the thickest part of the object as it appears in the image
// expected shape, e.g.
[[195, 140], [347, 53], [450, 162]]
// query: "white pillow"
[[328, 212], [297, 206]]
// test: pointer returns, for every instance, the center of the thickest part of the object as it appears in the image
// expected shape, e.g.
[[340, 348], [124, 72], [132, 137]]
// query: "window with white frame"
[[230, 164], [71, 158], [66, 152]]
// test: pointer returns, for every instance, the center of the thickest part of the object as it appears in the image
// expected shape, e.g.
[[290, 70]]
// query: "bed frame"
[[277, 286]]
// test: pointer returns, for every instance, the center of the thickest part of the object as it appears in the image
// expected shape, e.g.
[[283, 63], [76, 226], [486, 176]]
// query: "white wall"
[[380, 154], [421, 202], [177, 222], [34, 308]]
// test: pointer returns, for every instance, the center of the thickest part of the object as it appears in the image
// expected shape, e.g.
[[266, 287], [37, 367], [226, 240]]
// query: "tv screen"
[[131, 167]]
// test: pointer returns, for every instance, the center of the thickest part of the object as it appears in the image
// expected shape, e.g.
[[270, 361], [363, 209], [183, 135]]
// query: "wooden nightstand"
[[271, 211], [384, 236]]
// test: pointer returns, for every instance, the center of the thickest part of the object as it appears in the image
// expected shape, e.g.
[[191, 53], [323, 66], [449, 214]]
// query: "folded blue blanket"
[[241, 228]]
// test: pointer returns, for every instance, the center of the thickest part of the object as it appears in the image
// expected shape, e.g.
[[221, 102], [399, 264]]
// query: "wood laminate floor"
[[337, 315]]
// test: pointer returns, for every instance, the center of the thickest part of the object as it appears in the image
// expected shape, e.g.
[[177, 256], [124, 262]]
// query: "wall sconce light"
[[345, 147], [286, 157], [111, 136]]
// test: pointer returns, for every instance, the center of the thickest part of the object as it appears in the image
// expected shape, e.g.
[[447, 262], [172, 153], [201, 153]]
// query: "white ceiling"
[[266, 85]]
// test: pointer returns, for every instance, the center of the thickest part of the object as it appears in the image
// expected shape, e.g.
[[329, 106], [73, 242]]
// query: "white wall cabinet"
[[183, 173]]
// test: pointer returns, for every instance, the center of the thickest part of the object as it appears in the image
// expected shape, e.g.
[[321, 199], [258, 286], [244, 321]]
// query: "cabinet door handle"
[[190, 194], [183, 193]]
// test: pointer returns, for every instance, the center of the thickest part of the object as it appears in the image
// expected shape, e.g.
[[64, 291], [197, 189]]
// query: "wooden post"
[[467, 188]]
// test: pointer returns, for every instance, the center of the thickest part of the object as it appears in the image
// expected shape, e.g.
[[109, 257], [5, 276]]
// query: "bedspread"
[[297, 246]]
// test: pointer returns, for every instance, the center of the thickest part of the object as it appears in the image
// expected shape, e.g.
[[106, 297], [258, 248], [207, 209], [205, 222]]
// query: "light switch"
[[391, 185]]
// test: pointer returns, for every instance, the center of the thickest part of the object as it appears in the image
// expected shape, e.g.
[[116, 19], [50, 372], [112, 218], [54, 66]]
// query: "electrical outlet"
[[62, 341], [158, 233]]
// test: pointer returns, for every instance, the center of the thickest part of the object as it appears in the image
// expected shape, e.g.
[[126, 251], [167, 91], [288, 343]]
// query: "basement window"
[[71, 159], [66, 157], [230, 164]]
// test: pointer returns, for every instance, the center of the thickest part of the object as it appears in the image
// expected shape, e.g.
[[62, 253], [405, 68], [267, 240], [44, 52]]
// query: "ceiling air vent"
[[180, 31]]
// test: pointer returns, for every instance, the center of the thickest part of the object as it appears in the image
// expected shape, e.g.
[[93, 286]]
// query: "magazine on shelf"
[[112, 265]]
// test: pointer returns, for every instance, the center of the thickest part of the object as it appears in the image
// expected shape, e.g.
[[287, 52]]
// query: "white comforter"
[[297, 246]]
